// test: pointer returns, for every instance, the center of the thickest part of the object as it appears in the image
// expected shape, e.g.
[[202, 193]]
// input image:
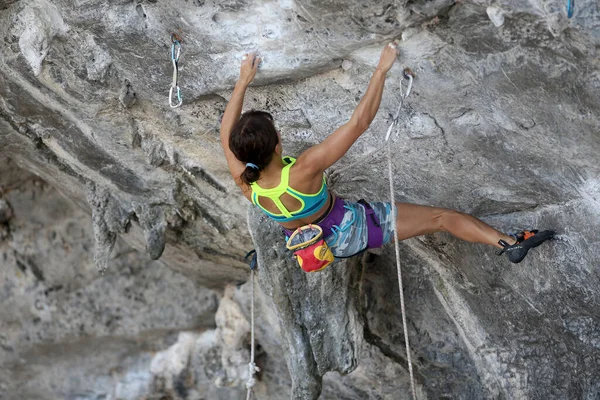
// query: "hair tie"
[[252, 165]]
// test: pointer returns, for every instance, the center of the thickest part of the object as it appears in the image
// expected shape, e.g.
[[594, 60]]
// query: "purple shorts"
[[350, 228]]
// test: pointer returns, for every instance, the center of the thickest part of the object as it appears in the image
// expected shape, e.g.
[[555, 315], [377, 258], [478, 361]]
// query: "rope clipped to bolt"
[[175, 53], [252, 368], [408, 75]]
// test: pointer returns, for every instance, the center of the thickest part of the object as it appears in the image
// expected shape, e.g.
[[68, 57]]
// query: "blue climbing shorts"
[[350, 236]]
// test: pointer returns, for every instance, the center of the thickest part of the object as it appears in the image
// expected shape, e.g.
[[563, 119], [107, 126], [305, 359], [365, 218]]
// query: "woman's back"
[[302, 200]]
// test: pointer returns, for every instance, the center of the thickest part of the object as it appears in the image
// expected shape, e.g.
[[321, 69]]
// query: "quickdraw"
[[252, 368], [408, 75], [175, 53], [570, 7]]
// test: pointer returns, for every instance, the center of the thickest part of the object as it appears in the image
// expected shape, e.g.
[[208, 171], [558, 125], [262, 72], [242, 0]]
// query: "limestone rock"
[[5, 211], [502, 123], [318, 313], [496, 16], [127, 96], [99, 332], [36, 25]]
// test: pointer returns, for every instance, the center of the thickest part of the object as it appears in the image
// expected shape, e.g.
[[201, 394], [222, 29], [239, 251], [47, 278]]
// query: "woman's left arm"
[[234, 109]]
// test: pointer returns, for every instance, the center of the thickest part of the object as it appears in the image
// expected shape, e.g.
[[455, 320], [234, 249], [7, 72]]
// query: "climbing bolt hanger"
[[175, 52], [408, 75]]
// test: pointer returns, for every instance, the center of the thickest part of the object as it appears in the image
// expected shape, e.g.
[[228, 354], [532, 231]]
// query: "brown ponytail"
[[253, 141], [250, 174]]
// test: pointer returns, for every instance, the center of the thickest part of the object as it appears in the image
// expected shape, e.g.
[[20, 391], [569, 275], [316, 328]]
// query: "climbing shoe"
[[525, 240]]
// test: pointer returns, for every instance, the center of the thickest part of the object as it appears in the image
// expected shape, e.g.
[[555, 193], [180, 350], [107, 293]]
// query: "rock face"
[[139, 331], [502, 123]]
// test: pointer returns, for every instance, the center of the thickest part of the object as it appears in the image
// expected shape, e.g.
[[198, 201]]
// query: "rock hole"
[[140, 10], [301, 18]]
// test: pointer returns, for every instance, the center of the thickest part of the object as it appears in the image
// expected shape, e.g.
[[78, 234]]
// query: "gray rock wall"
[[138, 331], [502, 123]]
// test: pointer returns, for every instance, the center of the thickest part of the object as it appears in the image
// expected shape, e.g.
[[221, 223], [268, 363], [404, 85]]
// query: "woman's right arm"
[[233, 111], [321, 156]]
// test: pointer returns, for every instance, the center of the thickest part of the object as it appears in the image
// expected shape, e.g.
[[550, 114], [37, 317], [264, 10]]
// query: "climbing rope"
[[252, 368], [408, 74], [175, 53]]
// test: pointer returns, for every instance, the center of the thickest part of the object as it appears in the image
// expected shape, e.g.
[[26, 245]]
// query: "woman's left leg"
[[415, 220]]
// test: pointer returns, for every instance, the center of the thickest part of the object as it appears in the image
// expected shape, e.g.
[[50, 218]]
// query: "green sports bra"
[[310, 203]]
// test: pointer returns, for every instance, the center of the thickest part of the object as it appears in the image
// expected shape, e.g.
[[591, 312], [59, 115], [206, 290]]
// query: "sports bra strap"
[[309, 203], [275, 193]]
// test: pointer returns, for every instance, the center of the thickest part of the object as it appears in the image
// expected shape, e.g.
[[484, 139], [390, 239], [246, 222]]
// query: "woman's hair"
[[253, 140]]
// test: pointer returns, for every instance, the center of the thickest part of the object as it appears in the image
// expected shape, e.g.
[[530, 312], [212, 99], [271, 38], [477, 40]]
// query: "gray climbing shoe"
[[525, 240]]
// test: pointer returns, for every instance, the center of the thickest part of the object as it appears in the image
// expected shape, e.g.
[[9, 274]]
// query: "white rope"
[[252, 368], [397, 247], [396, 243]]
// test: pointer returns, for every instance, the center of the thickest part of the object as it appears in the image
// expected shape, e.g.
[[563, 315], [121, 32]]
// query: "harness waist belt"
[[331, 218]]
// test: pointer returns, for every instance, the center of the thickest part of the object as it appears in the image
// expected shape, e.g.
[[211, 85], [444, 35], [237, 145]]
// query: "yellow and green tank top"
[[310, 203]]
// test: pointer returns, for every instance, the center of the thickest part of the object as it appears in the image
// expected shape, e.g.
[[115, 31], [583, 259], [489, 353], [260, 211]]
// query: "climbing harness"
[[252, 368], [407, 74], [175, 52], [570, 7]]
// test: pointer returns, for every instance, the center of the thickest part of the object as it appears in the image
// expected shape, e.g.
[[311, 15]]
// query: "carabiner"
[[253, 259], [406, 74], [409, 75], [179, 99]]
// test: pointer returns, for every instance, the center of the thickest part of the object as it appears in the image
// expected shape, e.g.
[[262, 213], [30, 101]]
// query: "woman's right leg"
[[415, 220]]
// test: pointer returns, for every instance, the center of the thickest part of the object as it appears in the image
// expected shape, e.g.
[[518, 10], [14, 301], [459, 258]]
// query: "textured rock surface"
[[502, 123], [139, 331], [317, 311], [58, 311]]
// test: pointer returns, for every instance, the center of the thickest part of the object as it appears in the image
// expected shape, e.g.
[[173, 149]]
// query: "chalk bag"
[[309, 247]]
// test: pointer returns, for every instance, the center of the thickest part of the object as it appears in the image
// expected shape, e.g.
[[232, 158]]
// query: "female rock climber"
[[293, 192]]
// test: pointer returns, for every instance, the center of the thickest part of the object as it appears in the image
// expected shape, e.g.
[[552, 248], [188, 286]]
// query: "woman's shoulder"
[[305, 166]]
